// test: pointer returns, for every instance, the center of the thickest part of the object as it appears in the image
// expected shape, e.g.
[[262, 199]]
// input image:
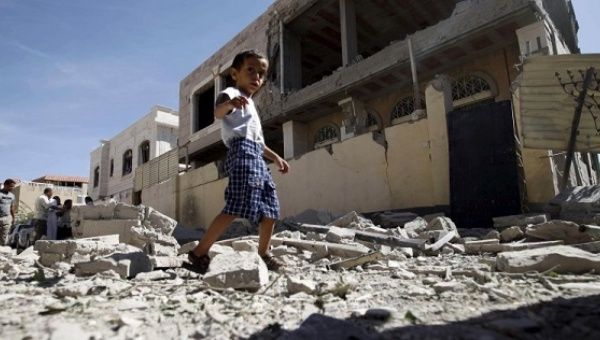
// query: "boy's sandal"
[[272, 263], [198, 264]]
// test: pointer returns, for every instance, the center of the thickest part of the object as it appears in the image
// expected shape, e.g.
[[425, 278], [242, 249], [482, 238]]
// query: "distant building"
[[65, 181], [113, 164]]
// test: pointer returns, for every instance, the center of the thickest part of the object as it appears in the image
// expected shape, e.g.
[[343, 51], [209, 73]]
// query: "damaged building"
[[384, 105]]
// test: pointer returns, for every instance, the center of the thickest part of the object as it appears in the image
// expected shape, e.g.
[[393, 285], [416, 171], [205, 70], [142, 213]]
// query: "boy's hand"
[[283, 166], [238, 102]]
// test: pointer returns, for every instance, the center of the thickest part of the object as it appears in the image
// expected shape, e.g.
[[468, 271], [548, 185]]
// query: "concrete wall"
[[162, 197]]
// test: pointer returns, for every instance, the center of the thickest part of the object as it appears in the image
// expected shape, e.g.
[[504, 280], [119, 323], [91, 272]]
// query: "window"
[[469, 89], [403, 110], [144, 152], [96, 176], [326, 135], [203, 108], [112, 167], [373, 120], [127, 162]]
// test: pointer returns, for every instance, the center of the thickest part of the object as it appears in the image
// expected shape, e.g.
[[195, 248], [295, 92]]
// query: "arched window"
[[112, 167], [471, 89], [404, 108], [326, 135], [127, 162], [373, 122], [144, 152], [96, 176]]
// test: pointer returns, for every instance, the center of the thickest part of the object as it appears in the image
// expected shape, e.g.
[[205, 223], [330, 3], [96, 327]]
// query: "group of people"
[[51, 219]]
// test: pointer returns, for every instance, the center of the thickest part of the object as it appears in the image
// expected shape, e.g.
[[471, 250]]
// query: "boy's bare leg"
[[264, 235], [216, 229]]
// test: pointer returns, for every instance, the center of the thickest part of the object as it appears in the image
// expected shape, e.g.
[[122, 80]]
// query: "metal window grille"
[[469, 86]]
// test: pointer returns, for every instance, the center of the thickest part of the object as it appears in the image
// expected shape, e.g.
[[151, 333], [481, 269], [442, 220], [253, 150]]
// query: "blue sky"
[[73, 72]]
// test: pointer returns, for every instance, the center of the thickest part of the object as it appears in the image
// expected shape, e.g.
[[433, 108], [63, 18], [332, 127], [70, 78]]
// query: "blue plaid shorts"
[[251, 191]]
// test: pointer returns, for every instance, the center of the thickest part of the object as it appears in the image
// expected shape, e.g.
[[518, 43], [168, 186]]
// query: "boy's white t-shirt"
[[243, 122]]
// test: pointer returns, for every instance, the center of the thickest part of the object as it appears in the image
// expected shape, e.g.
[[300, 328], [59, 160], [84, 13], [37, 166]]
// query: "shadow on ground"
[[576, 318]]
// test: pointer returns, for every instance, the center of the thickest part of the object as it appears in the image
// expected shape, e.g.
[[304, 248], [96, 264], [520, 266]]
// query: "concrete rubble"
[[351, 278]]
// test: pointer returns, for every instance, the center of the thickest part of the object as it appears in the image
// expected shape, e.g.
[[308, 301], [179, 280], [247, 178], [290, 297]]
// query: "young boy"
[[251, 192]]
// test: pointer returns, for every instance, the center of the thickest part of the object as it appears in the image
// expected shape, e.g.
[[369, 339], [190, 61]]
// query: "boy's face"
[[250, 77]]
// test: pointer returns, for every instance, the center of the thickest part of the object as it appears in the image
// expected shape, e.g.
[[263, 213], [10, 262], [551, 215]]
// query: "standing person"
[[251, 192], [52, 221], [42, 205], [64, 222], [7, 209]]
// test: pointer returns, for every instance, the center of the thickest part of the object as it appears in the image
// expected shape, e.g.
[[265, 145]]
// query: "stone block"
[[492, 235], [511, 234], [129, 212], [48, 259], [237, 270], [295, 285], [49, 246], [569, 232], [166, 261], [337, 235], [245, 245], [279, 251], [93, 228], [351, 219], [441, 287], [414, 227], [522, 220], [102, 265], [153, 241], [158, 221], [560, 259]]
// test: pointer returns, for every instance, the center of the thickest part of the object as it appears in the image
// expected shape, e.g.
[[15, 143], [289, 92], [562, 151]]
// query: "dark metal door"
[[484, 172]]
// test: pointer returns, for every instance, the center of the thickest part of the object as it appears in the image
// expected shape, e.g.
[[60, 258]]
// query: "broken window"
[[127, 162], [112, 167], [144, 152], [96, 176], [471, 89], [326, 135], [204, 108]]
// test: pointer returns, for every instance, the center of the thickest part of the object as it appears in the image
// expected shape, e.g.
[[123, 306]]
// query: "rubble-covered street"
[[425, 279]]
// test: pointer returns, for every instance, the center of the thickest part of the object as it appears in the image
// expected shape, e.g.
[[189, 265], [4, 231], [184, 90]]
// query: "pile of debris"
[[344, 277]]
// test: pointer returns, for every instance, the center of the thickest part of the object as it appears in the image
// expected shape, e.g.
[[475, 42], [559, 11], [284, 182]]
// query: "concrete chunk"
[[569, 232], [295, 285], [218, 249], [186, 248], [443, 223], [166, 261], [337, 234], [390, 219], [95, 228], [237, 270], [560, 259], [511, 234], [159, 221]]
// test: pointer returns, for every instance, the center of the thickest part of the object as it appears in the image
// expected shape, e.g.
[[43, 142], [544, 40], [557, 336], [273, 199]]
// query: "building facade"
[[113, 163], [382, 105]]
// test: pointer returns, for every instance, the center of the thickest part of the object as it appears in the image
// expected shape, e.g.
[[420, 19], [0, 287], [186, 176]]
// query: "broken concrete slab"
[[153, 241], [93, 228], [559, 259], [342, 250], [295, 285], [569, 232], [158, 221], [337, 234], [237, 270], [511, 234], [414, 227], [441, 287], [497, 248], [102, 265], [155, 275], [73, 251], [522, 220], [166, 261], [127, 262], [93, 212], [356, 261], [492, 235], [442, 223]]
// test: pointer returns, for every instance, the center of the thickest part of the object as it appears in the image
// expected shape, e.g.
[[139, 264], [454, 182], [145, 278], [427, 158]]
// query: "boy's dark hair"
[[239, 59], [88, 199], [9, 181], [47, 190]]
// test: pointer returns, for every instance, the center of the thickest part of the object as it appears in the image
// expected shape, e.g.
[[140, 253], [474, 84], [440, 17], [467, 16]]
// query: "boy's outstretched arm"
[[225, 105], [282, 164]]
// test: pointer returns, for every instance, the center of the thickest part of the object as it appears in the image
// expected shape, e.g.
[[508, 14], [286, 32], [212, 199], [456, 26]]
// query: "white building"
[[113, 163]]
